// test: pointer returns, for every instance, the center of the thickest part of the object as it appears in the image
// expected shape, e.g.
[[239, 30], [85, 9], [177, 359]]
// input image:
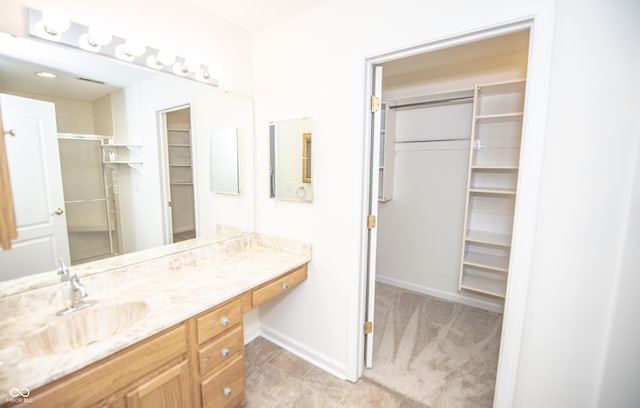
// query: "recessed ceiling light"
[[48, 75]]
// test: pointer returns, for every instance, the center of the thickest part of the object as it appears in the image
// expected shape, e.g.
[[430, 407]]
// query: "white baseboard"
[[453, 297], [331, 366]]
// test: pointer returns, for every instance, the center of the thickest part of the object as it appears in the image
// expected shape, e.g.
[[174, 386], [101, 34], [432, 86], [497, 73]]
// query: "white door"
[[376, 127], [36, 181]]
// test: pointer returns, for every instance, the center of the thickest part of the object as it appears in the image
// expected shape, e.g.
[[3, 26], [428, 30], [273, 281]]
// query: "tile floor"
[[277, 378]]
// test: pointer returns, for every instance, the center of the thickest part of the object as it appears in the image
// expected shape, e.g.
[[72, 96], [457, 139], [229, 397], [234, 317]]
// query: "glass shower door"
[[90, 221]]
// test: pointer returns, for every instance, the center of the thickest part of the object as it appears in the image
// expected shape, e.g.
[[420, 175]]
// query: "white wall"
[[211, 108], [591, 148], [622, 355], [72, 116], [183, 26], [313, 65]]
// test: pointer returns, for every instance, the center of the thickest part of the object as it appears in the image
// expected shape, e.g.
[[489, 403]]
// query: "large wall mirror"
[[112, 154], [291, 160]]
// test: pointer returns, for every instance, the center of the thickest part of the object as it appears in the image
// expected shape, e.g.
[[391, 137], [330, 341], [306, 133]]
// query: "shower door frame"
[[107, 198]]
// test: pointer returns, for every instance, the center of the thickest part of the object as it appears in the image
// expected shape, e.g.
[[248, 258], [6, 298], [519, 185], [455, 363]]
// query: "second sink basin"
[[84, 327]]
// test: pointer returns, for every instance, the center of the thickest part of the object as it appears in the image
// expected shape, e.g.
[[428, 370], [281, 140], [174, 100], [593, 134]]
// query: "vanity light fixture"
[[96, 37], [213, 71], [162, 58], [51, 23], [186, 66], [47, 75], [131, 49], [54, 22]]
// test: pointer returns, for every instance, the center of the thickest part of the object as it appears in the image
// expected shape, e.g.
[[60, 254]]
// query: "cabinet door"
[[169, 389]]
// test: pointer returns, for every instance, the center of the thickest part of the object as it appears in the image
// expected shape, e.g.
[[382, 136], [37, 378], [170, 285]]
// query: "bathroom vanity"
[[169, 333]]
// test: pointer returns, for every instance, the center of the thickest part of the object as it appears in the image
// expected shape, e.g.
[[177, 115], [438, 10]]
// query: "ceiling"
[[459, 55], [253, 15], [20, 58]]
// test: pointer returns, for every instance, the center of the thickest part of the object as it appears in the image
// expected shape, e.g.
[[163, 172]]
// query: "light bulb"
[[186, 66], [100, 34], [166, 57], [203, 75], [131, 49], [135, 47], [152, 62], [55, 20]]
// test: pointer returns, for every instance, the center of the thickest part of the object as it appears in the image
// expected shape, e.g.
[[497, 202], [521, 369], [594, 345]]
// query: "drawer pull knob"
[[224, 321], [285, 286], [224, 352], [227, 391]]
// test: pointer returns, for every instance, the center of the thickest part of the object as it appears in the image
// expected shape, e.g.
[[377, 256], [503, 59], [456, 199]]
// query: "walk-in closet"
[[449, 156], [181, 174]]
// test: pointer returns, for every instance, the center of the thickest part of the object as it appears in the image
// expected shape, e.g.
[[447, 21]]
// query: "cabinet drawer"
[[278, 286], [226, 388], [224, 349], [218, 320]]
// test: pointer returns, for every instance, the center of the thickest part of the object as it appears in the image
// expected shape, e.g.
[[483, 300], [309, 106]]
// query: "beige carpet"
[[439, 353]]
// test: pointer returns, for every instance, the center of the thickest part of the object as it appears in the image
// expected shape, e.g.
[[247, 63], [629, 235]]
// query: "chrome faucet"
[[77, 291]]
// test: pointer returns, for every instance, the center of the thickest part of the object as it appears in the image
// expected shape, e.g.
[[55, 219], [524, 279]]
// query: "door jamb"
[[540, 23], [165, 190]]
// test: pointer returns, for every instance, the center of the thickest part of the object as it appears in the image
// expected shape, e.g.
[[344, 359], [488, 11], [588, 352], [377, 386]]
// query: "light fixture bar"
[[129, 51]]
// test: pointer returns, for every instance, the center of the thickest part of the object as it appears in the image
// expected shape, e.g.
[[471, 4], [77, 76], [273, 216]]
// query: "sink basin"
[[84, 327]]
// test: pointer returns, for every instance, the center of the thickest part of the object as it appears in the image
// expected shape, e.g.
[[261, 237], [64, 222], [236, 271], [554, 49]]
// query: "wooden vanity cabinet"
[[165, 390], [278, 286], [139, 371], [196, 363], [221, 354]]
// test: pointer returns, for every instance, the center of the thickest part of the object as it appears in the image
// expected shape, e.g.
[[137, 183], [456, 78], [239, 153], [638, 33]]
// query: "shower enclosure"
[[90, 189]]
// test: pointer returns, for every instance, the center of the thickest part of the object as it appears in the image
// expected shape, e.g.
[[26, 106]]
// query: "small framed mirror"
[[223, 145], [291, 160], [306, 157]]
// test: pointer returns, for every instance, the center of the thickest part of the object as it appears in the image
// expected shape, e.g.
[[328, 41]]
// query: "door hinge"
[[368, 327], [375, 104], [371, 221]]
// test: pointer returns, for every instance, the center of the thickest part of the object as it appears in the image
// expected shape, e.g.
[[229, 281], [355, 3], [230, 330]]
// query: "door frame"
[[165, 187], [539, 20]]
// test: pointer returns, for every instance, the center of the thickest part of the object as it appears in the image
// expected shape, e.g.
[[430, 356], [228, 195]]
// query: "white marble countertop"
[[175, 288]]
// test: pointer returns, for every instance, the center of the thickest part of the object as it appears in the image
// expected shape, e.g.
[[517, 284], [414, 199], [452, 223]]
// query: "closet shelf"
[[494, 286], [128, 146], [181, 183], [492, 190], [493, 167], [498, 263], [485, 237], [499, 117]]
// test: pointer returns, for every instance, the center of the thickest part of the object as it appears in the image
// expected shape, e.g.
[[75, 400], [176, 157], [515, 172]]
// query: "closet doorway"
[[176, 140], [443, 194]]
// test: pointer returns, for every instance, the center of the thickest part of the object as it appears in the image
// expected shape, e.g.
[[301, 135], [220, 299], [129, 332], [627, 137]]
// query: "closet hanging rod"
[[434, 140], [450, 101]]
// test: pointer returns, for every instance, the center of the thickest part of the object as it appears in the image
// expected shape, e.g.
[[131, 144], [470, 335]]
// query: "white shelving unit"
[[385, 187], [494, 155], [179, 145], [119, 153]]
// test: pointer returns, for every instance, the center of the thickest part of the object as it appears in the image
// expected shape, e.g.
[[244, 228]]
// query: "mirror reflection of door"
[[180, 173]]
